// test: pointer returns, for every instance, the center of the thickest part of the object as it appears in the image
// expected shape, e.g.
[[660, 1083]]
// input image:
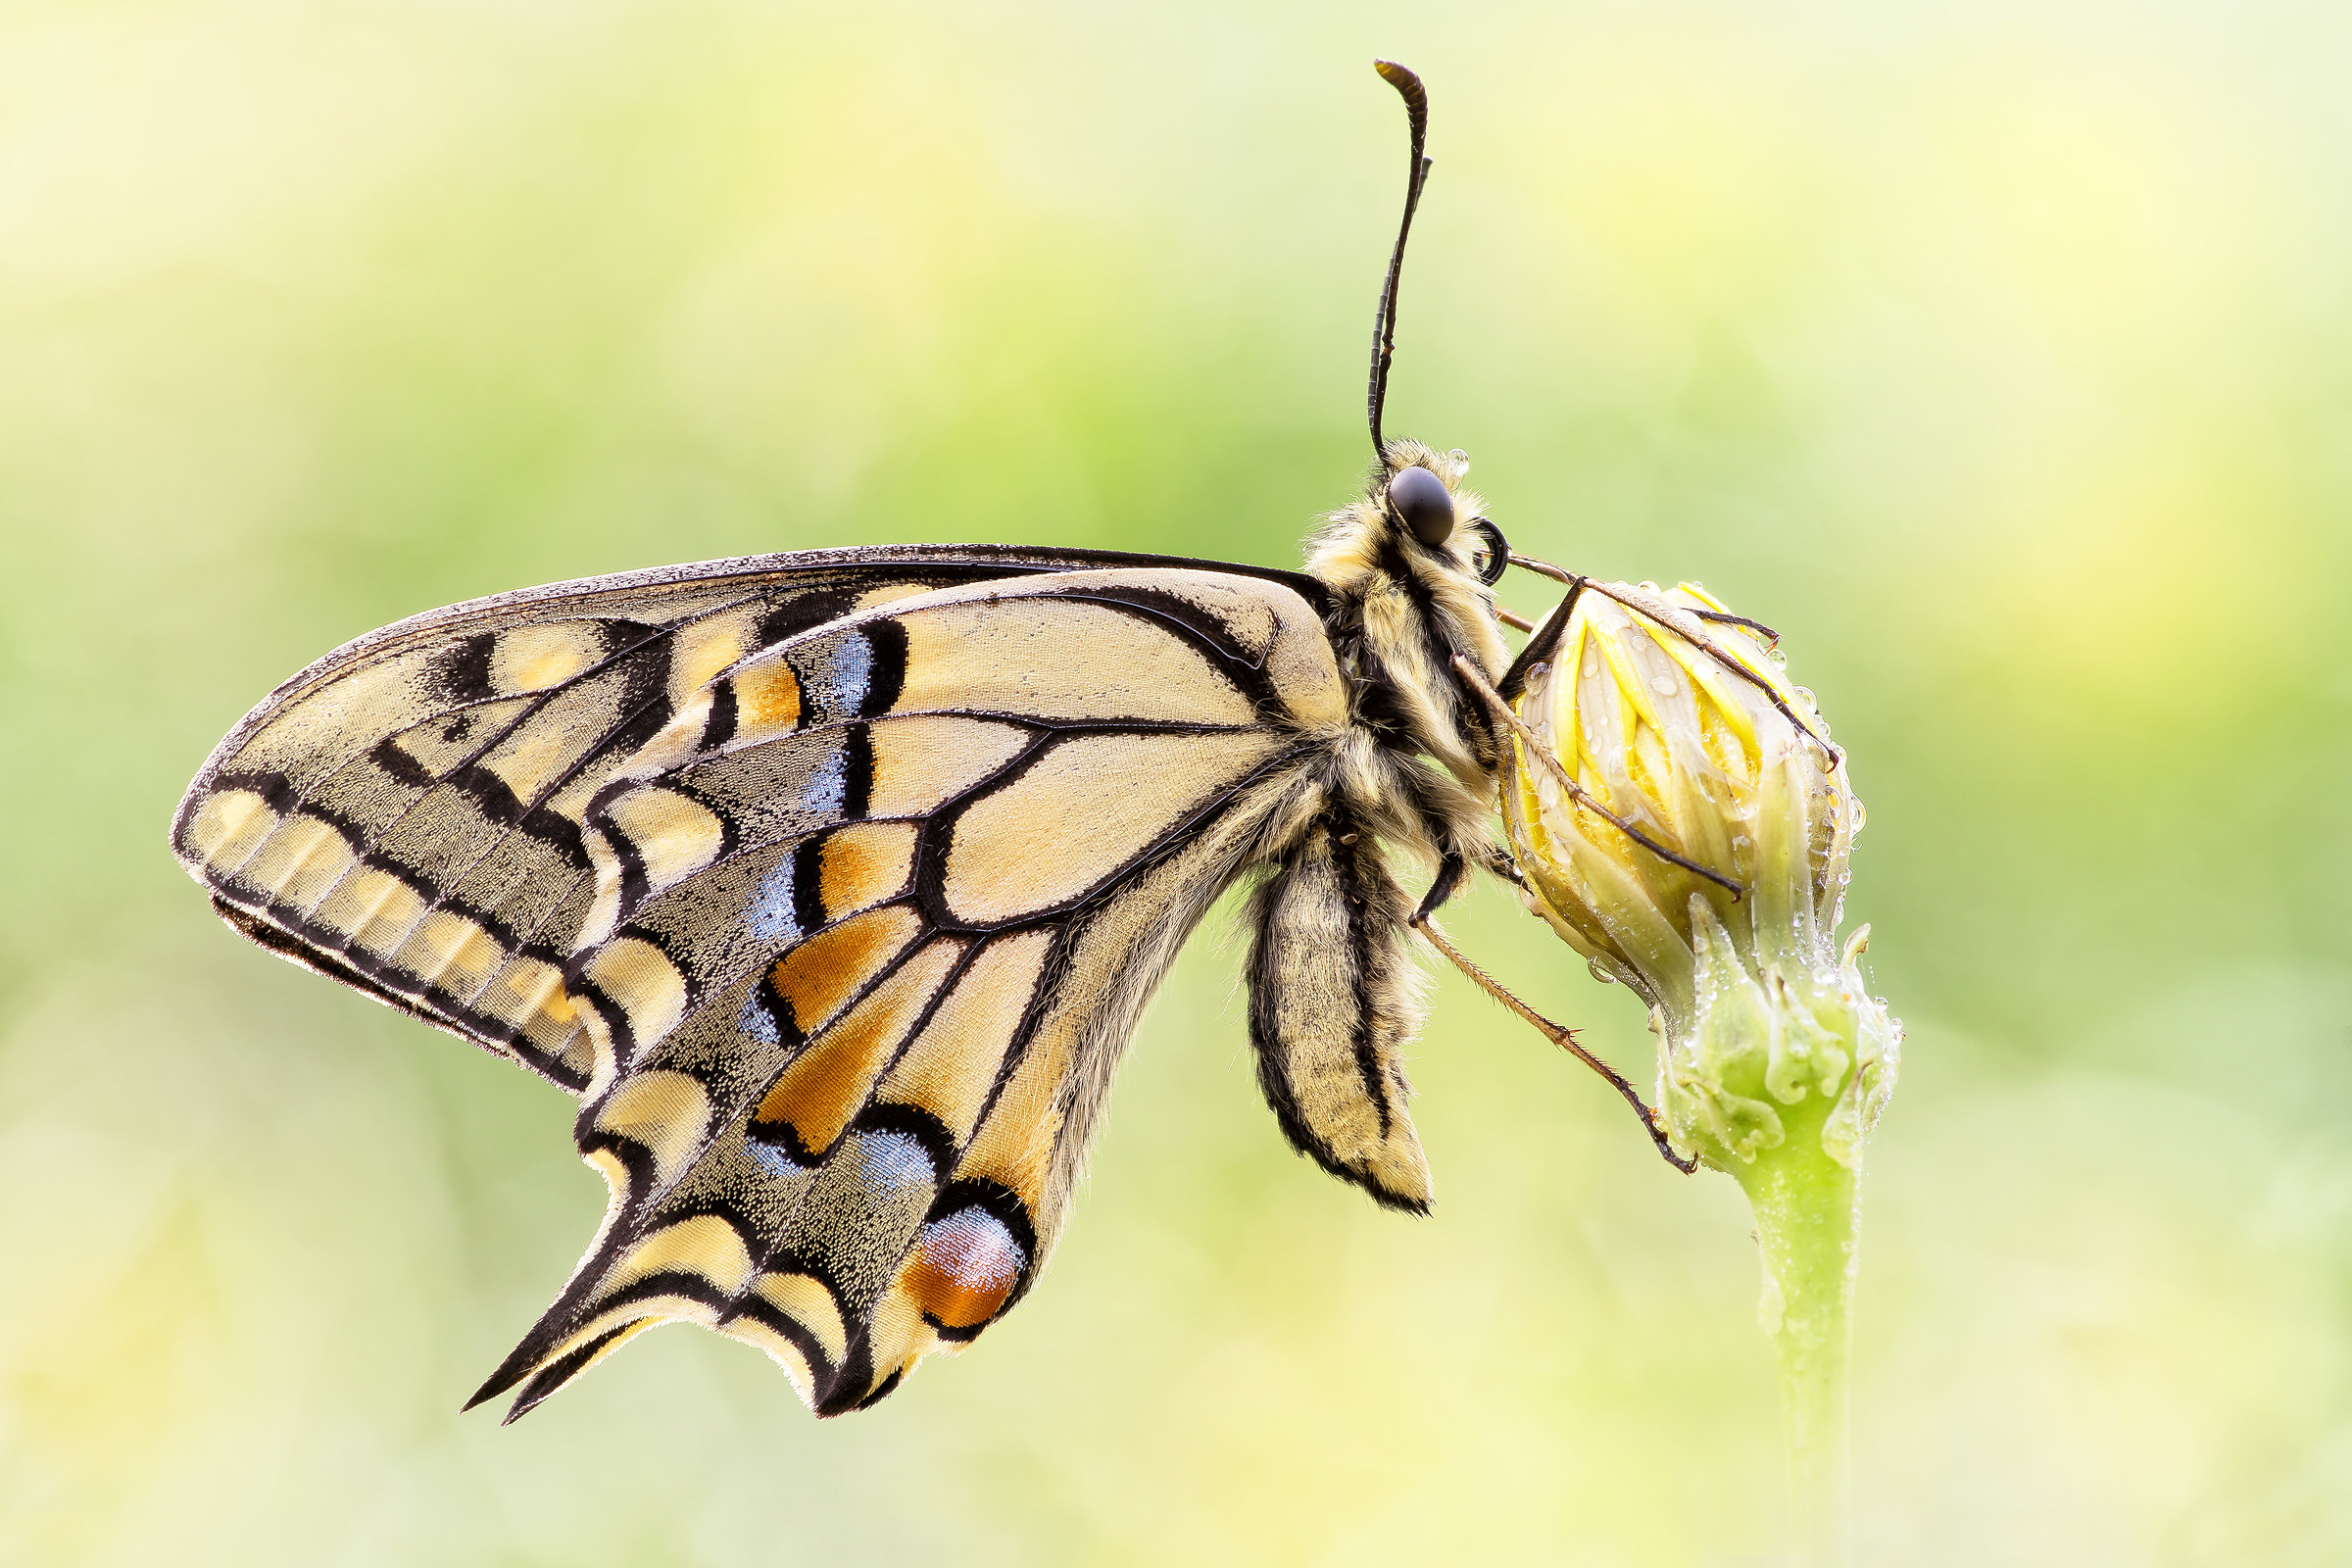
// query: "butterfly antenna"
[[1383, 327]]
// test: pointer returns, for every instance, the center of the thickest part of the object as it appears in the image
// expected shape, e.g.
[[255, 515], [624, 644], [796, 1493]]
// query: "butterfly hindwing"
[[873, 918]]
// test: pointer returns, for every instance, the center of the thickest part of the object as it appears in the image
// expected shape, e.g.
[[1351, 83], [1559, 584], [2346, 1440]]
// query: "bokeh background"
[[1998, 353]]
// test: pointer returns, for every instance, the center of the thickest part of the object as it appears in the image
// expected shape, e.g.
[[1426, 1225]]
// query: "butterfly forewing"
[[405, 815], [835, 886]]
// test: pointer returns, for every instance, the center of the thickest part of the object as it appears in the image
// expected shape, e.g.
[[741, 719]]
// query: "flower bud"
[[1677, 726]]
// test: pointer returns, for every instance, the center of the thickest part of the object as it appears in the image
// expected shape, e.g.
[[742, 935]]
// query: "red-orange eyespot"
[[965, 1266]]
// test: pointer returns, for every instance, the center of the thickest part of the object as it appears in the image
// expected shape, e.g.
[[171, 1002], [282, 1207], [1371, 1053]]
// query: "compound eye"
[[1422, 500]]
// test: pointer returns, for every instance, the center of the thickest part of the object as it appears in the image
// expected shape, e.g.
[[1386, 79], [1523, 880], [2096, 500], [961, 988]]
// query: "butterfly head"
[[1418, 518], [1409, 566]]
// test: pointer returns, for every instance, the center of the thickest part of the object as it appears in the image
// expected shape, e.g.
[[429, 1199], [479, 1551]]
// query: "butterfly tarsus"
[[1499, 860], [1724, 618], [1559, 1035], [1502, 710]]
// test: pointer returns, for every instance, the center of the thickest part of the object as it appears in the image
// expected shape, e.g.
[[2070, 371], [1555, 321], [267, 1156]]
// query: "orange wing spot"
[[821, 974], [767, 700], [963, 1268], [827, 1084], [864, 864]]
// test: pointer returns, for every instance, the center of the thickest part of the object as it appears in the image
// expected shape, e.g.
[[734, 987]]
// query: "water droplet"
[[1462, 462], [1663, 685], [1592, 669]]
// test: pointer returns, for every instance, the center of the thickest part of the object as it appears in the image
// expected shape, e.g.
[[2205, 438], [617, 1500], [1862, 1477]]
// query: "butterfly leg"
[[1452, 868], [1559, 1035]]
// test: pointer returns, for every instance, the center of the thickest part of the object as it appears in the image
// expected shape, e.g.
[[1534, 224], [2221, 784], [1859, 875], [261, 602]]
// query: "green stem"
[[1806, 1206]]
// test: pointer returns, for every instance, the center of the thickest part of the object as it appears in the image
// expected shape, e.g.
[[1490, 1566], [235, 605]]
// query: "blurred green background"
[[1999, 354]]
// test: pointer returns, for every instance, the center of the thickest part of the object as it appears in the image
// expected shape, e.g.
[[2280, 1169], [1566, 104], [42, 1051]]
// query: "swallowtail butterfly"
[[833, 883]]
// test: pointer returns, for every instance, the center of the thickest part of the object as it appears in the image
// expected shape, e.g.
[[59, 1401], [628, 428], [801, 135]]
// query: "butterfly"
[[833, 883]]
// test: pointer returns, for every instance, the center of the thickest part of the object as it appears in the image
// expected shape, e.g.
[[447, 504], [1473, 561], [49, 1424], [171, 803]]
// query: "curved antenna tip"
[[1383, 322], [1408, 87]]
